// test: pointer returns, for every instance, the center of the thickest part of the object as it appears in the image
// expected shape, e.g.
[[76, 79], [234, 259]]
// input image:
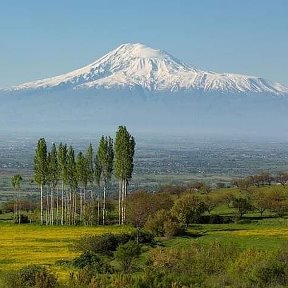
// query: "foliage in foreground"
[[213, 264], [30, 276], [200, 265]]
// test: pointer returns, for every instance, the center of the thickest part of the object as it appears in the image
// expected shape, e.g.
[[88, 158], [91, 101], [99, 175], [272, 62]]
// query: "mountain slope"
[[136, 65], [147, 90]]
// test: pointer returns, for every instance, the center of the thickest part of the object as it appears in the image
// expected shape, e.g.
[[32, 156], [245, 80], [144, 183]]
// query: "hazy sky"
[[43, 38]]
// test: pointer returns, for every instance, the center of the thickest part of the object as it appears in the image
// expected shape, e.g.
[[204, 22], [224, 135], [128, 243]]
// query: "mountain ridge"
[[136, 65], [147, 90]]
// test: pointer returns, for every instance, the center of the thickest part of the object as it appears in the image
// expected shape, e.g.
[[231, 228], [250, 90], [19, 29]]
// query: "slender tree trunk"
[[84, 204], [123, 202], [91, 208], [66, 206], [47, 206], [19, 209], [62, 204], [70, 207], [98, 210], [119, 201], [15, 209], [104, 203], [57, 206], [41, 204], [52, 207], [75, 208], [81, 206]]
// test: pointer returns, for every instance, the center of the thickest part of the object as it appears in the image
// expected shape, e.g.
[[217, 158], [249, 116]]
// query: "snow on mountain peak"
[[136, 65], [139, 50]]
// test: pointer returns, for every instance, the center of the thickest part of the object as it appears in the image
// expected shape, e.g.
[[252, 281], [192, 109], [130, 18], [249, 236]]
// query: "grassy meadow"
[[52, 246], [21, 245], [25, 244]]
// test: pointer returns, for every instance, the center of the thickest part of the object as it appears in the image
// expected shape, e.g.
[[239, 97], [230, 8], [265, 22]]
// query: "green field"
[[33, 244], [21, 245], [52, 246]]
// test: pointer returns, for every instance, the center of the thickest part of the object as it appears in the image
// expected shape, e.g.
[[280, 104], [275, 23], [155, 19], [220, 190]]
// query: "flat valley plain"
[[159, 160]]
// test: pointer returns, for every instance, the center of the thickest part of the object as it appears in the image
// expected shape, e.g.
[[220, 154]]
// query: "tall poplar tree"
[[97, 177], [53, 176], [90, 170], [16, 183], [72, 181], [124, 154], [82, 176], [90, 166], [41, 170], [62, 163], [105, 156]]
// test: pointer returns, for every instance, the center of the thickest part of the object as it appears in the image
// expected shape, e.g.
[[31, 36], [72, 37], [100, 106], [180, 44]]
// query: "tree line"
[[73, 203]]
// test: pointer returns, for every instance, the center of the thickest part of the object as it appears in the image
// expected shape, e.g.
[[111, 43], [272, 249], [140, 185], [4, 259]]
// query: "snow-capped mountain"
[[147, 90], [138, 66]]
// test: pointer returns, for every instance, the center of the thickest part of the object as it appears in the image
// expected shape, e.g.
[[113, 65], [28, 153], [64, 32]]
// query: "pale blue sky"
[[46, 38]]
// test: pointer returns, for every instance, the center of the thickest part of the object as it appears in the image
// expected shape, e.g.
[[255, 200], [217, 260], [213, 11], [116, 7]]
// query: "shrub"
[[10, 280], [144, 237], [243, 270], [24, 219], [123, 238], [155, 223], [243, 221], [215, 219], [104, 244], [173, 228], [163, 224], [31, 276], [82, 279], [126, 255], [272, 273], [93, 262]]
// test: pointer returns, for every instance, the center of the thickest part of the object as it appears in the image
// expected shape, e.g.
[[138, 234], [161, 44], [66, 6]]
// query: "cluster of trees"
[[162, 215], [261, 179], [75, 203], [169, 211]]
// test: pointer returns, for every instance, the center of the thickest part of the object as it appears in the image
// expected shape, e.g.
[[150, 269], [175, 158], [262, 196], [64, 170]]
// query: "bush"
[[24, 219], [155, 223], [82, 279], [123, 238], [173, 228], [215, 219], [104, 244], [31, 276], [272, 273], [93, 262], [144, 237], [126, 255], [163, 224], [243, 221]]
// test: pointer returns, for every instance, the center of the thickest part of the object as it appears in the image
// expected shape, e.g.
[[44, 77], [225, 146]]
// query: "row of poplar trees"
[[66, 178]]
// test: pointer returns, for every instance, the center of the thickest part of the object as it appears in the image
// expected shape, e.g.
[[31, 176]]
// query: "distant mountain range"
[[149, 90]]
